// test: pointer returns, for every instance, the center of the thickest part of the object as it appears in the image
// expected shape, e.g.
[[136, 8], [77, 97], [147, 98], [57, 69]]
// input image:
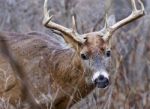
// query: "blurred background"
[[130, 72]]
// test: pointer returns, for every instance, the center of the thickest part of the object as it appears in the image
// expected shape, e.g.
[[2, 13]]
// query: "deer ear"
[[71, 42]]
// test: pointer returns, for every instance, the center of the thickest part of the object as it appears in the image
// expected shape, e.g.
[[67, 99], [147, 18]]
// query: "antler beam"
[[133, 16], [52, 25]]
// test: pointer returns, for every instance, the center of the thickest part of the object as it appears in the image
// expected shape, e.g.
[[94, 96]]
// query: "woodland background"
[[130, 87]]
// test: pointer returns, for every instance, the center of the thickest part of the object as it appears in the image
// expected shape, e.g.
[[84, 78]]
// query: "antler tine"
[[133, 16], [74, 24], [142, 6], [47, 18], [134, 8], [106, 23], [104, 30], [52, 25]]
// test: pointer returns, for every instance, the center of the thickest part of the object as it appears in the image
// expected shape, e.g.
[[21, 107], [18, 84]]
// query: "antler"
[[71, 33], [133, 16]]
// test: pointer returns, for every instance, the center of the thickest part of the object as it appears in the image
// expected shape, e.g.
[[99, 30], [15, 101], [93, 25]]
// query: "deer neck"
[[67, 72]]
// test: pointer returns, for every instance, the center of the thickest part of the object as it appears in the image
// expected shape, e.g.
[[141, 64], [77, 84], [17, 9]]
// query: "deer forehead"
[[95, 40], [94, 43]]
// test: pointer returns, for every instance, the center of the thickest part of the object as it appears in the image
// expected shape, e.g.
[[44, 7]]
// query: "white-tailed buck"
[[72, 72]]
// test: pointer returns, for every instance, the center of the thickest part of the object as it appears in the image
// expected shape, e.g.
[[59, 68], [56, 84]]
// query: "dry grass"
[[130, 77]]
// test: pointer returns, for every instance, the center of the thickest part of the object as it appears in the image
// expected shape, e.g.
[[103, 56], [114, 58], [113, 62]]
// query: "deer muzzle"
[[101, 79]]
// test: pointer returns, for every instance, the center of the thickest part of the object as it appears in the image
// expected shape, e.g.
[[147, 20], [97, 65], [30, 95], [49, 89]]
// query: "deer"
[[73, 72]]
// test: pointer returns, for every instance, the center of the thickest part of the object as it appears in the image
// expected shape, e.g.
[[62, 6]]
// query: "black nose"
[[101, 82]]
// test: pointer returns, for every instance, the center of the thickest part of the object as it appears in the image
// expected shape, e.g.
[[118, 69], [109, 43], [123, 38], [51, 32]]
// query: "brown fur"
[[47, 65]]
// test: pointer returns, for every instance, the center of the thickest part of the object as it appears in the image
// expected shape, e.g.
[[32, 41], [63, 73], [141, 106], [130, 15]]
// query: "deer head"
[[93, 48]]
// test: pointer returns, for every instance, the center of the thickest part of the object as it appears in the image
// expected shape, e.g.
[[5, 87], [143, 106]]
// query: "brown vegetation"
[[129, 87]]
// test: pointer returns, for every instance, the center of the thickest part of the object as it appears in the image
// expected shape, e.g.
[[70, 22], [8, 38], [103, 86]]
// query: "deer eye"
[[108, 53], [84, 56]]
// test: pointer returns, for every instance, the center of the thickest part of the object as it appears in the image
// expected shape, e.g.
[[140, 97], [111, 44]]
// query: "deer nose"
[[101, 81]]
